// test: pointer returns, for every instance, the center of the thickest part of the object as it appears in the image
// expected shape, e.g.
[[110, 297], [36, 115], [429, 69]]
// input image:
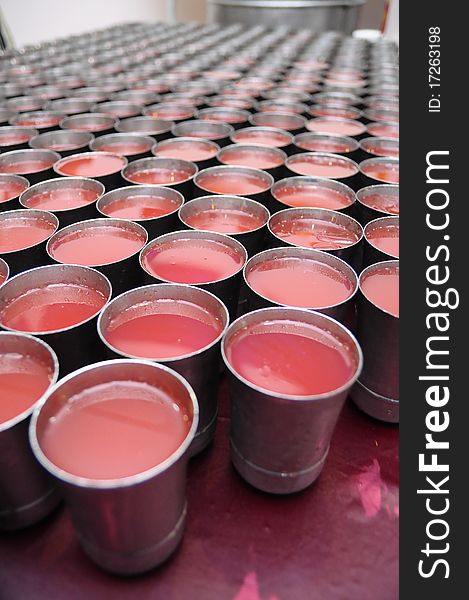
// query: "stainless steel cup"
[[323, 142], [78, 344], [4, 271], [62, 141], [339, 311], [376, 392], [377, 201], [77, 185], [115, 142], [31, 256], [131, 524], [265, 179], [352, 180], [157, 128], [302, 182], [297, 219], [226, 289], [10, 162], [184, 186], [168, 149], [95, 123], [289, 122], [239, 155], [252, 240], [20, 184], [280, 442], [209, 130], [123, 274], [384, 161], [371, 253], [200, 368], [9, 130], [234, 117], [257, 136], [27, 493], [110, 181], [155, 226]]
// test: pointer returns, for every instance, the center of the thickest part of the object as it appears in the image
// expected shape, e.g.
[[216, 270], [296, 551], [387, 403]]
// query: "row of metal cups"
[[280, 276], [277, 144], [279, 441], [242, 218], [113, 170]]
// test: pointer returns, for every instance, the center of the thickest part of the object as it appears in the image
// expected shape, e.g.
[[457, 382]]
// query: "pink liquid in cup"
[[320, 234], [193, 261], [323, 145], [388, 130], [23, 380], [382, 289], [229, 183], [223, 116], [316, 165], [388, 203], [298, 282], [159, 175], [312, 196], [38, 121], [168, 113], [18, 233], [83, 125], [278, 120], [96, 165], [124, 148], [136, 207], [385, 238], [333, 111], [261, 138], [194, 150], [60, 146], [10, 139], [165, 329], [382, 149], [382, 171], [10, 189], [224, 220], [249, 157], [289, 363], [24, 167], [335, 126], [96, 432], [62, 199], [52, 308], [94, 246]]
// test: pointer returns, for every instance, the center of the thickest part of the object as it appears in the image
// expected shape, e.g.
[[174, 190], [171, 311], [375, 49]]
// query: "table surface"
[[337, 540]]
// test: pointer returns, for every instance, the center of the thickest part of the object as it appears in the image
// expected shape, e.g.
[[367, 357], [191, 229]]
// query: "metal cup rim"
[[63, 329], [255, 172], [298, 209], [294, 312], [99, 221], [30, 213], [129, 480], [220, 237], [220, 197], [375, 266], [389, 219], [63, 180], [55, 374], [166, 359], [79, 155], [151, 189], [312, 252]]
